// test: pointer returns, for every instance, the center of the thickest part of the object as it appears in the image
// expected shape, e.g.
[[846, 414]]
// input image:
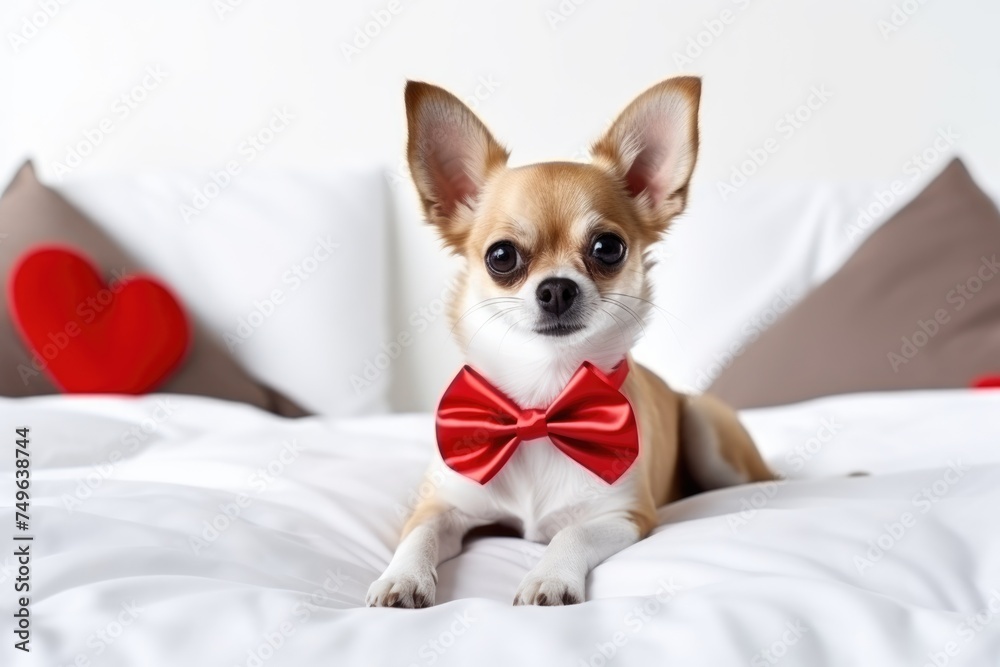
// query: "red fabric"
[[987, 382], [591, 421], [126, 336]]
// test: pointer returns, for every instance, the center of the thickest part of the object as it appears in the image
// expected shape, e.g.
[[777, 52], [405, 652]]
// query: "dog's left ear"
[[652, 147]]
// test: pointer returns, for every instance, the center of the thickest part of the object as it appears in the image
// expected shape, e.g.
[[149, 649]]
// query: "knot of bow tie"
[[591, 421]]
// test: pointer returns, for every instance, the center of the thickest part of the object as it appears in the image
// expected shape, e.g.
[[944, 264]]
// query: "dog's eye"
[[502, 257], [608, 249]]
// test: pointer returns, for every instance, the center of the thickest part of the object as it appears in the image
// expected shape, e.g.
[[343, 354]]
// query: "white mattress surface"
[[186, 531]]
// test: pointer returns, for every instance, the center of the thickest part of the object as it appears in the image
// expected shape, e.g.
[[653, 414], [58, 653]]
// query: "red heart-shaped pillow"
[[125, 336], [987, 382]]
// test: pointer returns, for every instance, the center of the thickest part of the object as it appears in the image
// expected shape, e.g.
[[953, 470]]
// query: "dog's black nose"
[[556, 295]]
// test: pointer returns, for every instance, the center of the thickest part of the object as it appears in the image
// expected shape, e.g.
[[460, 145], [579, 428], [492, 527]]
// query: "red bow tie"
[[591, 421]]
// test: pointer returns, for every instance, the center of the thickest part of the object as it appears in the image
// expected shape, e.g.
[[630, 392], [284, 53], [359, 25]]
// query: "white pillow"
[[729, 269], [288, 268]]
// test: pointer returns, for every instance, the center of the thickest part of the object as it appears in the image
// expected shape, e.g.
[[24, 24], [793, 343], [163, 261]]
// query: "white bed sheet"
[[761, 575]]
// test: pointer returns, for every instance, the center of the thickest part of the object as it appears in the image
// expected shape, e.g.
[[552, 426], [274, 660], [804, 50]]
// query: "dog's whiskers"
[[650, 303], [499, 313], [483, 304], [618, 323], [667, 313], [509, 329], [635, 316]]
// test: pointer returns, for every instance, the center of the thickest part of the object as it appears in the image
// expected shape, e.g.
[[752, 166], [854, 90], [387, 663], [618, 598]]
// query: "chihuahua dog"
[[556, 285]]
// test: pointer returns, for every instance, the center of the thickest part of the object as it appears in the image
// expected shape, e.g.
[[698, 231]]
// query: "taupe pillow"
[[31, 213], [916, 307]]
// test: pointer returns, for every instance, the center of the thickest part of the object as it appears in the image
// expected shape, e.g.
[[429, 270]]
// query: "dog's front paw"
[[409, 591], [548, 590]]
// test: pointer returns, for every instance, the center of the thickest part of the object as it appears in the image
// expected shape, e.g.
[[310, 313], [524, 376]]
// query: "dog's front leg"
[[432, 535], [560, 577]]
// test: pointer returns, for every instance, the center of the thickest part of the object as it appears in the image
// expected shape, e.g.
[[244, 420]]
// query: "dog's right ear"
[[451, 155]]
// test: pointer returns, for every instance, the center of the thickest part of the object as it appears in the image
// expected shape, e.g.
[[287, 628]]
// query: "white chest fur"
[[540, 490]]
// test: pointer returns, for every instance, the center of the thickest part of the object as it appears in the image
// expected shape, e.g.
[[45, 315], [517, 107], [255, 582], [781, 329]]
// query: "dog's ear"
[[652, 147], [451, 155]]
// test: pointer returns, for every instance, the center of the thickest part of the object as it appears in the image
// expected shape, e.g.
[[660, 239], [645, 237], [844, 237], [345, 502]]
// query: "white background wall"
[[559, 70]]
